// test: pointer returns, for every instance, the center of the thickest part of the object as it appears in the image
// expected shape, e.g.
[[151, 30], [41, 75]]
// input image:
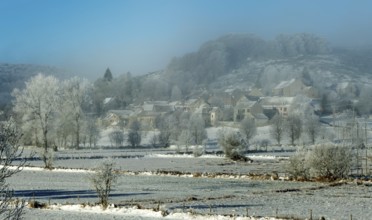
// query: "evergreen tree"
[[108, 75]]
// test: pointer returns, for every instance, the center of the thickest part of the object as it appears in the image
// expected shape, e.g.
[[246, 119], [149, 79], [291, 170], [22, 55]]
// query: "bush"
[[48, 157], [324, 161], [330, 161], [102, 181], [198, 151], [232, 145], [297, 167]]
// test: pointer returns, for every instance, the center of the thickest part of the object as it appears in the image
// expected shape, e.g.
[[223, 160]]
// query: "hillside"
[[15, 75], [234, 61], [246, 61]]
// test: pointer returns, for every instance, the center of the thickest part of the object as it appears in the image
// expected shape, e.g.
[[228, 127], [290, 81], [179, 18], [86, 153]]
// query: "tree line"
[[55, 113]]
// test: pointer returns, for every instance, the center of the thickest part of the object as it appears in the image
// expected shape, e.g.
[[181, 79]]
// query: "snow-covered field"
[[211, 188]]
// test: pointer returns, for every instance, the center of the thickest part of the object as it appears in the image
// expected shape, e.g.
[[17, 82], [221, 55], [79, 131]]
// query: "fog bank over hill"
[[232, 61], [142, 36], [246, 60]]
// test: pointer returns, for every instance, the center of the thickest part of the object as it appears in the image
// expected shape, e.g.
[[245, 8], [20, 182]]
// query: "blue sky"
[[87, 36]]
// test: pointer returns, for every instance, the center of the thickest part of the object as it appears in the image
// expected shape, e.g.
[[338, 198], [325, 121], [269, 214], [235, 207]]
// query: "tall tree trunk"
[[77, 134]]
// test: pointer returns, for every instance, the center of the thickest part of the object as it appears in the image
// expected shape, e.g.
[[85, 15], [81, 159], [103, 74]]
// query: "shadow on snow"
[[217, 206], [66, 194]]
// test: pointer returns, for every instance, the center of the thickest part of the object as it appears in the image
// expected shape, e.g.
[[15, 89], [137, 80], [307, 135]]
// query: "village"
[[229, 108]]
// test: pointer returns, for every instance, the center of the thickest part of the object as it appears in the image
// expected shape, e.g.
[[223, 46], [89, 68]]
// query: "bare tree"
[[134, 135], [92, 132], [164, 138], [10, 208], [312, 128], [185, 139], [37, 105], [248, 129], [168, 130], [117, 137], [277, 128], [154, 140], [294, 128], [102, 181], [197, 129]]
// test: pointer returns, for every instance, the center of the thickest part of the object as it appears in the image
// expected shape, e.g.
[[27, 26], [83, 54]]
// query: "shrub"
[[198, 151], [232, 145], [48, 157], [330, 161], [102, 181], [324, 161], [297, 167]]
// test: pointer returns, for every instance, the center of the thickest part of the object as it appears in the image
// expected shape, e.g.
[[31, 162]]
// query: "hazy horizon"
[[87, 36]]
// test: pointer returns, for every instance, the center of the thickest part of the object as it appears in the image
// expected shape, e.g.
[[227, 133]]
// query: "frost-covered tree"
[[312, 128], [92, 131], [301, 44], [277, 128], [134, 135], [248, 129], [155, 89], [154, 140], [37, 106], [301, 107], [329, 161], [197, 129], [231, 142], [169, 128], [75, 97], [293, 128], [185, 139], [10, 151], [102, 181], [117, 137]]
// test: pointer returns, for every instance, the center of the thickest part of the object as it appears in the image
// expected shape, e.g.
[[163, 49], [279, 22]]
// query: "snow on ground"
[[254, 157], [264, 157], [178, 194], [145, 213]]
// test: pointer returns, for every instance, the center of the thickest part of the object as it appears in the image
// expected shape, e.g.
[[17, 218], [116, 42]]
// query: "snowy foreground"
[[184, 187], [96, 212]]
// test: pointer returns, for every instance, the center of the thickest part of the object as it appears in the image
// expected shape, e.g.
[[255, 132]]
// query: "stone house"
[[255, 94], [292, 88], [280, 104], [215, 116], [147, 119], [203, 110], [246, 108], [151, 110], [118, 118]]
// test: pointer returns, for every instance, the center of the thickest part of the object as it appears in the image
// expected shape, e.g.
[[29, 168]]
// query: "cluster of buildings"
[[237, 104]]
